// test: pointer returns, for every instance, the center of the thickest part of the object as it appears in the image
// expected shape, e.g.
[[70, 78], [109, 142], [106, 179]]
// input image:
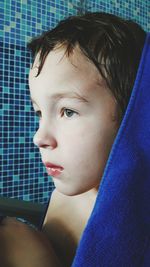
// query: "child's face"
[[75, 133]]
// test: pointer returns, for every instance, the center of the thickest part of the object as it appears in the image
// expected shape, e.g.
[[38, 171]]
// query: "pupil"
[[69, 112]]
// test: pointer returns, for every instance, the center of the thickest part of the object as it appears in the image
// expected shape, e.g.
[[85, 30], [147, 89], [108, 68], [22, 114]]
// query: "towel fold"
[[118, 231]]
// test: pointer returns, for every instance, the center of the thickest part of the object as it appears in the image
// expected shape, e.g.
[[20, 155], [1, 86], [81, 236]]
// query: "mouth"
[[52, 169]]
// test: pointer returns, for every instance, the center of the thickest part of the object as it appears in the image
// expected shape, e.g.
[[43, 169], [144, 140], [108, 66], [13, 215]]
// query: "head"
[[81, 80]]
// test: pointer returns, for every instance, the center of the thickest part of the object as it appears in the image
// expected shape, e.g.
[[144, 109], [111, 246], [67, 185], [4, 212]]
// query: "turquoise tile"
[[16, 178], [23, 20]]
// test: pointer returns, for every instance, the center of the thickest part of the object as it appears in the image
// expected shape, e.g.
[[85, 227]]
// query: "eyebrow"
[[59, 96]]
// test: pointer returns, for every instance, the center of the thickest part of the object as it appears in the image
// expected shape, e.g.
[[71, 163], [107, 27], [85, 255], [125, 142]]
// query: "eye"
[[68, 112]]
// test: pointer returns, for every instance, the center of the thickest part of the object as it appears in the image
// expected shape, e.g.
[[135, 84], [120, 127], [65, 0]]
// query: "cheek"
[[87, 145], [82, 149]]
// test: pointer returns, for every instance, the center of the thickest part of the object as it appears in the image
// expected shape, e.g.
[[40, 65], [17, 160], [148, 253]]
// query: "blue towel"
[[118, 231]]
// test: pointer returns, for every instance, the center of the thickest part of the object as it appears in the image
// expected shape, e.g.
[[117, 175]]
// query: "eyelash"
[[64, 109], [38, 113]]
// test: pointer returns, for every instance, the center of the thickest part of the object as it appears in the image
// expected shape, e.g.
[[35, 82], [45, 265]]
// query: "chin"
[[70, 192]]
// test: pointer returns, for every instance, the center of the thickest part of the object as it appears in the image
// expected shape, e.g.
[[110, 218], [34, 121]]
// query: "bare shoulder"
[[65, 221], [60, 228]]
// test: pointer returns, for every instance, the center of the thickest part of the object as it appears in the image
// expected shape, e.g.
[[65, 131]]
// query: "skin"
[[78, 139], [23, 246], [77, 135]]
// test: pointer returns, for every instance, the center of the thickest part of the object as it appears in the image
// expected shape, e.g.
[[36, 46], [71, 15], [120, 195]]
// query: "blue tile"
[[19, 122]]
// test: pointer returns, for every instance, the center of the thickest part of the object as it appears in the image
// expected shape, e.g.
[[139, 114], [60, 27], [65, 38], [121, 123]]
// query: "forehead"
[[63, 75], [57, 61]]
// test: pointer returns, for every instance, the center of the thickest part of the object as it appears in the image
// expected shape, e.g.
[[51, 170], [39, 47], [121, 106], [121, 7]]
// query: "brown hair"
[[113, 44]]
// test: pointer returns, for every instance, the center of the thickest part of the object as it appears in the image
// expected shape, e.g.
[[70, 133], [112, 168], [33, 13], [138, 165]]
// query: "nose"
[[44, 139]]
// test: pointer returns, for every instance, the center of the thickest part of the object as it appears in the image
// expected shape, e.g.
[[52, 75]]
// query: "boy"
[[80, 84]]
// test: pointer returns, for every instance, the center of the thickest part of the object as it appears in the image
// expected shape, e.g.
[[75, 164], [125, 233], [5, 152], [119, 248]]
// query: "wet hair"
[[112, 43]]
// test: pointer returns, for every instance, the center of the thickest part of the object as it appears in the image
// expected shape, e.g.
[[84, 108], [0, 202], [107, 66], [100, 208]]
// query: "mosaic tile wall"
[[22, 174]]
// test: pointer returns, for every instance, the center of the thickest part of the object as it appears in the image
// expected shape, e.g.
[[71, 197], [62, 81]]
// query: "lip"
[[52, 169]]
